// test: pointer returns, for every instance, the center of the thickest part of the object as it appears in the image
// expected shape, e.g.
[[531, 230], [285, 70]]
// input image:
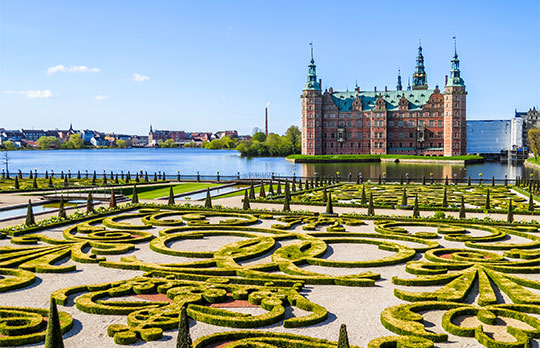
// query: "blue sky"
[[213, 65]]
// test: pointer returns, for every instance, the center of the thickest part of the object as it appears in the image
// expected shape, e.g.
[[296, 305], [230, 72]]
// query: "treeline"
[[273, 144]]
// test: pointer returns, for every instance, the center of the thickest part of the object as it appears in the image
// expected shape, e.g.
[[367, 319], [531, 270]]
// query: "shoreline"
[[460, 160]]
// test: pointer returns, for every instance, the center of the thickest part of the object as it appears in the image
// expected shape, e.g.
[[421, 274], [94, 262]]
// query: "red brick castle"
[[415, 121]]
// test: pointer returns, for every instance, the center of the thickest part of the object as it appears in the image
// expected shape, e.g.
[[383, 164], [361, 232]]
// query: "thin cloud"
[[140, 78], [101, 97], [34, 94], [70, 69]]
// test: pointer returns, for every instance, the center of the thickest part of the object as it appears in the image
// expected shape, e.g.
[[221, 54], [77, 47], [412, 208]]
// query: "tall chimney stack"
[[266, 121]]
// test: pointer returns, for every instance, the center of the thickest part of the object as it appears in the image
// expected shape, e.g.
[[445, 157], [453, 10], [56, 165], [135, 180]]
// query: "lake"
[[193, 160]]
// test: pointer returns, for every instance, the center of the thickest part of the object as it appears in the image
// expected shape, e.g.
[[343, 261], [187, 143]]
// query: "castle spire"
[[455, 74], [419, 76], [311, 83], [399, 87]]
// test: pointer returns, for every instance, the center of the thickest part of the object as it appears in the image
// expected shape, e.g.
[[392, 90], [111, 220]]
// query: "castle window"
[[332, 124], [349, 124], [359, 135], [431, 123], [359, 123], [331, 144], [411, 135], [400, 135], [349, 115], [391, 135], [439, 134], [341, 124], [421, 123], [359, 145], [332, 135], [390, 123], [440, 123], [310, 124], [411, 123], [325, 116], [400, 124], [332, 115], [341, 116]]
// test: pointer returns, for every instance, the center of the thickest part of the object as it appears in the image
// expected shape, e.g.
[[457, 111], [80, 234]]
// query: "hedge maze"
[[486, 197], [480, 276]]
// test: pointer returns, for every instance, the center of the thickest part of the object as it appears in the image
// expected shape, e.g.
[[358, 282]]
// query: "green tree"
[[75, 142], [46, 143], [259, 136], [534, 141], [9, 145], [293, 136], [121, 143]]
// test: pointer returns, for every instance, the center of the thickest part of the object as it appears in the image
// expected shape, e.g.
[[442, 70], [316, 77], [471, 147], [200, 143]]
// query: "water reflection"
[[208, 162]]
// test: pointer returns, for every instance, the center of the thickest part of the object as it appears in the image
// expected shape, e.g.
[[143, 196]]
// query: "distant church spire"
[[455, 74], [419, 76], [399, 87], [151, 129], [311, 83]]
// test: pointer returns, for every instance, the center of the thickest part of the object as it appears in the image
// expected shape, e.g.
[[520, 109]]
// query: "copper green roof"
[[416, 98]]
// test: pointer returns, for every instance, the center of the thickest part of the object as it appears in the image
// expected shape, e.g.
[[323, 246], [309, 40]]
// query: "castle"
[[415, 121]]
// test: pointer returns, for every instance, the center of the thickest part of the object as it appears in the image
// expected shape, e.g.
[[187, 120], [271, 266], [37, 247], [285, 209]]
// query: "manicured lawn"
[[177, 189], [257, 190]]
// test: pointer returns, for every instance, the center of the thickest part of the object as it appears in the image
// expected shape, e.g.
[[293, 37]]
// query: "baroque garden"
[[274, 264]]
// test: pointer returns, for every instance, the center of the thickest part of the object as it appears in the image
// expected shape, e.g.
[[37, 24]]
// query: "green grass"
[[257, 190], [534, 160], [376, 158], [177, 189]]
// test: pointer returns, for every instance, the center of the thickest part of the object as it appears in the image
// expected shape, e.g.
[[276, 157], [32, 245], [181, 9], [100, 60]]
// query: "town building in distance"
[[414, 121]]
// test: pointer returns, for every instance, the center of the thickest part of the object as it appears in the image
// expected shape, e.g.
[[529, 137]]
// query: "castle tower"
[[312, 112], [419, 76], [455, 112]]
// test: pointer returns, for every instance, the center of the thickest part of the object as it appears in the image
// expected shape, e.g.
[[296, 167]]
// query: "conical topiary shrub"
[[89, 203], [262, 193], [252, 191], [329, 207], [171, 196], [50, 184], [208, 200], [416, 209], [30, 220], [245, 205], [287, 202], [343, 341], [112, 202], [271, 188], [16, 183], [53, 338], [531, 202], [404, 197], [34, 182], [135, 195], [61, 210], [278, 191], [371, 208], [363, 199], [462, 208], [445, 199], [184, 337], [324, 194], [488, 201], [66, 182], [510, 215]]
